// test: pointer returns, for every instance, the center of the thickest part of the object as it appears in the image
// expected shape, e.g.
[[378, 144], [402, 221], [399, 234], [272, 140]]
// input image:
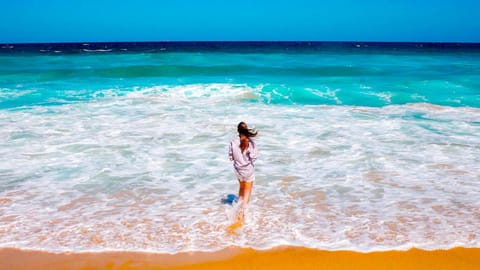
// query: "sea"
[[124, 146]]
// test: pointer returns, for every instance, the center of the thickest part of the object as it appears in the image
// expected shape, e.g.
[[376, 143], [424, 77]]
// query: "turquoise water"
[[303, 78], [360, 148]]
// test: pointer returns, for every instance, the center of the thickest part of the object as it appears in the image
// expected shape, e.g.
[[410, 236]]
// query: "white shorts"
[[250, 178]]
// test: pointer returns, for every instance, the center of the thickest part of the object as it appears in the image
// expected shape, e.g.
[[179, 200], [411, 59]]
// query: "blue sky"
[[239, 20]]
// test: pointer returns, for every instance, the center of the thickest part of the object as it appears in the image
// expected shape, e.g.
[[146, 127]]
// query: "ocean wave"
[[147, 171], [328, 78], [267, 93]]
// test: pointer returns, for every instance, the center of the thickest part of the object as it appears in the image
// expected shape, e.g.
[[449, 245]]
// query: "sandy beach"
[[128, 135], [236, 258]]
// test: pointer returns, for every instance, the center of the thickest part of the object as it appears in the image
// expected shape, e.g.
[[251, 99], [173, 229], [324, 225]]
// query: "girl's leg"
[[244, 195], [241, 189], [245, 191]]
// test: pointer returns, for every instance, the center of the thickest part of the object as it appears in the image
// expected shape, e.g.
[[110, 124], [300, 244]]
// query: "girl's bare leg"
[[247, 191], [241, 189], [244, 194]]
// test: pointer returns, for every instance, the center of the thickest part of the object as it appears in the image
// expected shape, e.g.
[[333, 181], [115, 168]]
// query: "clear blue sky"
[[237, 20]]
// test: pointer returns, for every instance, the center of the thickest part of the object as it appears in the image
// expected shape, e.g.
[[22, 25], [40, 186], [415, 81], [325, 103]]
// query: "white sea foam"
[[97, 50], [385, 96], [7, 93], [147, 171]]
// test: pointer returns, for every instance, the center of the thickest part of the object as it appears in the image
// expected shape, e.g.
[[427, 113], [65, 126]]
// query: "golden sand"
[[235, 258]]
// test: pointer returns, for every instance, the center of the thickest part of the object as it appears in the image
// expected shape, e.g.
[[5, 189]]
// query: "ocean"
[[123, 146]]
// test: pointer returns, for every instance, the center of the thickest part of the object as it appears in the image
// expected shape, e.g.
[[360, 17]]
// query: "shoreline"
[[284, 257]]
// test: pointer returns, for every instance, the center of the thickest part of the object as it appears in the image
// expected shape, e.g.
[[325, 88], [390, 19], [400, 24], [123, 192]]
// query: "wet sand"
[[236, 258]]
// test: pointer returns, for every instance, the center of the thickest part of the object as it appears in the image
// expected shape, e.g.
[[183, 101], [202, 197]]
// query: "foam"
[[97, 50], [8, 94], [146, 171]]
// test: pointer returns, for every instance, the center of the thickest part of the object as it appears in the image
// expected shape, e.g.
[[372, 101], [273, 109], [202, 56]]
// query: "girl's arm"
[[253, 152], [230, 151]]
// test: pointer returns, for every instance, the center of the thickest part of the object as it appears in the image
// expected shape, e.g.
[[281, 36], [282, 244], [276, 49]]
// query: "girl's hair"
[[243, 129]]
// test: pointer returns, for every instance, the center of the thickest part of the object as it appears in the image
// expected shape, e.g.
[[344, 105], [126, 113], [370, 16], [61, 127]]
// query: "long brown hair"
[[243, 129]]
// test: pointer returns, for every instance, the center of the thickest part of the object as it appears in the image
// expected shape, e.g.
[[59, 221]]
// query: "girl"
[[243, 152]]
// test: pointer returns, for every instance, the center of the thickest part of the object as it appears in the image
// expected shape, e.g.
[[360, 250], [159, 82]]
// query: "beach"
[[235, 258], [116, 156]]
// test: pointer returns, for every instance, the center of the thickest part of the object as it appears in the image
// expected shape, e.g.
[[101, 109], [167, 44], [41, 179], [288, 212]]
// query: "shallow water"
[[129, 151]]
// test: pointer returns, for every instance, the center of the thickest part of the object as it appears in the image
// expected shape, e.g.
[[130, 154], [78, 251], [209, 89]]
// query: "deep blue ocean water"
[[363, 146]]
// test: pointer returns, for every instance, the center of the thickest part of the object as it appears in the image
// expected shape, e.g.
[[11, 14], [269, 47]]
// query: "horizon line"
[[242, 41]]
